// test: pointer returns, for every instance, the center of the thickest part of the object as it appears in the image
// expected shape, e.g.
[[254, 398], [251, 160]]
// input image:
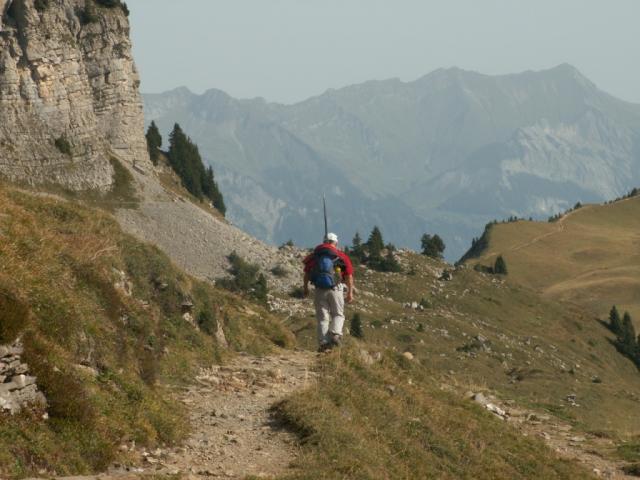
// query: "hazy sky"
[[288, 50]]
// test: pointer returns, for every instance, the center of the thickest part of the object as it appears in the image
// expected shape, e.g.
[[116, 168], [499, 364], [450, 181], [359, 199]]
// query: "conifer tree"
[[357, 249], [375, 244], [185, 159], [432, 246], [615, 323], [500, 267], [355, 327], [627, 340], [389, 263], [154, 142]]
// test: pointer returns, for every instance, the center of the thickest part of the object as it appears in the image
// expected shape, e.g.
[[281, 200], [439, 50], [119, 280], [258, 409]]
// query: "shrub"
[[246, 278], [297, 292], [279, 271], [63, 145], [355, 327], [88, 14], [13, 317], [41, 5], [206, 320]]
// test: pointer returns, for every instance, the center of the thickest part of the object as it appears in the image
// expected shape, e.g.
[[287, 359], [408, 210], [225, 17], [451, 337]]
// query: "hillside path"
[[233, 433]]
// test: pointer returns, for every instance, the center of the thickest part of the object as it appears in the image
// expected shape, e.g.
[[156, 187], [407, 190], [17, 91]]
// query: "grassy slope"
[[591, 257], [392, 420], [101, 355], [541, 351], [60, 260]]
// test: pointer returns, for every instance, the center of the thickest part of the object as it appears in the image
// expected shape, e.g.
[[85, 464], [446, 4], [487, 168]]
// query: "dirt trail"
[[233, 432]]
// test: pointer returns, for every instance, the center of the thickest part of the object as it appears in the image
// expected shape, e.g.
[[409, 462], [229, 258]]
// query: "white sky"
[[288, 50]]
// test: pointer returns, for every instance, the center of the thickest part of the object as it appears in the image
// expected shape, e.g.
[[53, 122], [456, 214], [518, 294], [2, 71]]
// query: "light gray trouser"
[[329, 313]]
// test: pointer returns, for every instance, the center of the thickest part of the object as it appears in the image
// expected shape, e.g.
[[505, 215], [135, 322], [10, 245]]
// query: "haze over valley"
[[443, 154]]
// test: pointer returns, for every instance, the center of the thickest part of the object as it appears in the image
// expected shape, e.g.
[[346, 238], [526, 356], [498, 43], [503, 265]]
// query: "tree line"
[[376, 255], [185, 160]]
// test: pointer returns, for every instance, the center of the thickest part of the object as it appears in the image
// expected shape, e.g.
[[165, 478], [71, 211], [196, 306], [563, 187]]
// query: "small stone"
[[408, 355], [480, 398]]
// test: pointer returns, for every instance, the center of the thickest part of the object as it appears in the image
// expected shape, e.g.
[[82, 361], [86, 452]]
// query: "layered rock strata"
[[69, 98]]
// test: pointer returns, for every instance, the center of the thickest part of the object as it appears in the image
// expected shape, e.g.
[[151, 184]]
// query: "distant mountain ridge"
[[445, 153]]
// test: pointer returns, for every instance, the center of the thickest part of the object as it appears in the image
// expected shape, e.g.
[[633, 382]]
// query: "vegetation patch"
[[369, 422], [14, 315], [101, 319], [63, 145], [246, 278]]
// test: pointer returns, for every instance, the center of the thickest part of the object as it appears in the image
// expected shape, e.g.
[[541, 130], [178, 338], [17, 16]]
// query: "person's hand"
[[350, 296], [305, 291]]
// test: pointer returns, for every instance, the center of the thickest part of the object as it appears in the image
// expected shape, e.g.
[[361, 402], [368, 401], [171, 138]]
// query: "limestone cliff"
[[69, 97]]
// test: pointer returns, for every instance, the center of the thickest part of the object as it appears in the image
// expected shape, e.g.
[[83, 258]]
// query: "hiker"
[[331, 272]]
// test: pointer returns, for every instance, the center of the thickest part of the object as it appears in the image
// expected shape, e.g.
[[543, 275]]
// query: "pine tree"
[[355, 326], [357, 249], [615, 323], [627, 340], [375, 244], [389, 263], [500, 267], [432, 246], [185, 159], [212, 192], [154, 142]]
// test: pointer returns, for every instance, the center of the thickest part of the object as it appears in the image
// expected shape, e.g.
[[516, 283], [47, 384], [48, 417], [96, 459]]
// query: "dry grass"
[[62, 287], [541, 350], [390, 420], [591, 257]]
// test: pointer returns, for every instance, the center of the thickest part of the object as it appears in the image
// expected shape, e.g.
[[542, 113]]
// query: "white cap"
[[331, 237]]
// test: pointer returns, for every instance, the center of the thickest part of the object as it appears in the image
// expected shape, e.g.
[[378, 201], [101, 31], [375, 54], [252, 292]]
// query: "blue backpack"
[[323, 275]]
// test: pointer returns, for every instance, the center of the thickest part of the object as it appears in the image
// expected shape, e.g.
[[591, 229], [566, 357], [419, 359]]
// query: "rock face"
[[17, 387], [69, 98]]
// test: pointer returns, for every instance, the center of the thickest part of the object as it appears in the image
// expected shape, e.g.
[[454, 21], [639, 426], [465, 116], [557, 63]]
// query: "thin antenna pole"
[[326, 224]]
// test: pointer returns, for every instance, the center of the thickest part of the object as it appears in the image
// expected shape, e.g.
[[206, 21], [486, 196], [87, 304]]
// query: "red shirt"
[[310, 260]]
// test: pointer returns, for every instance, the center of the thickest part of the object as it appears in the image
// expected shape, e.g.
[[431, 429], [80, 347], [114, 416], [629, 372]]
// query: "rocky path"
[[233, 433]]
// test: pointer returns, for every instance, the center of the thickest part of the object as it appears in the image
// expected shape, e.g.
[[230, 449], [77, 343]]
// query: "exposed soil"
[[234, 434]]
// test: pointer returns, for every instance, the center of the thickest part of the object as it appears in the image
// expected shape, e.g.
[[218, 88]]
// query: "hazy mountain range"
[[443, 154]]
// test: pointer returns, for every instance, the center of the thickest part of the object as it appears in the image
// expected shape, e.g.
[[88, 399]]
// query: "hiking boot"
[[336, 340], [324, 347]]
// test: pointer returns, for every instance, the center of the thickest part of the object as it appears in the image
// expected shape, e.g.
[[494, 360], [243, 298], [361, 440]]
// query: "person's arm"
[[305, 288], [351, 288]]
